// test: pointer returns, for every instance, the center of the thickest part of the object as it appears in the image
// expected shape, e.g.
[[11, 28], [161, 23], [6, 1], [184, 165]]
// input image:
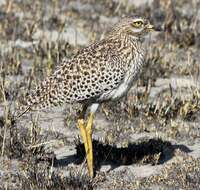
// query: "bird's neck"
[[131, 43], [128, 40], [130, 48], [127, 45], [124, 36]]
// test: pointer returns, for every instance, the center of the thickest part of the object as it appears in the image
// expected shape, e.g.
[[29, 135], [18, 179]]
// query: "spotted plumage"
[[96, 73], [103, 71]]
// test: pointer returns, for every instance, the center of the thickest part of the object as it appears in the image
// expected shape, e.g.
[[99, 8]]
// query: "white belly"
[[121, 90]]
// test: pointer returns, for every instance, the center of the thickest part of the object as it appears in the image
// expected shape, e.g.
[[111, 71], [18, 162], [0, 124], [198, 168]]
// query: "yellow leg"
[[86, 134], [81, 126], [89, 143]]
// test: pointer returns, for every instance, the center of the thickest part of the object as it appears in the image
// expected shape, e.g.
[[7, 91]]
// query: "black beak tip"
[[158, 28]]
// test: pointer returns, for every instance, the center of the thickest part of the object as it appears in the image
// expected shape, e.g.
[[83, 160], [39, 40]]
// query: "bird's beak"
[[150, 27]]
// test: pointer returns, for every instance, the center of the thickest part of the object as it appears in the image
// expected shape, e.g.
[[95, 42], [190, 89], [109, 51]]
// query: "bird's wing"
[[92, 72], [98, 78]]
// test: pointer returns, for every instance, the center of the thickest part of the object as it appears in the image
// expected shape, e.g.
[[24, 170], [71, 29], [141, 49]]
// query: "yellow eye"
[[137, 24]]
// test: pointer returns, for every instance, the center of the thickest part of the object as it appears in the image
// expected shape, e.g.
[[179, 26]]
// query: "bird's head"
[[135, 26]]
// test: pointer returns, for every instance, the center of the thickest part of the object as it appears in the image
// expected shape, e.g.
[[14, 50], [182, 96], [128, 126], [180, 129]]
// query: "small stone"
[[105, 168], [65, 152]]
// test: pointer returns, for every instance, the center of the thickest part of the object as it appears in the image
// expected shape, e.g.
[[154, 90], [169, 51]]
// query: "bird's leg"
[[86, 133], [89, 153], [81, 126]]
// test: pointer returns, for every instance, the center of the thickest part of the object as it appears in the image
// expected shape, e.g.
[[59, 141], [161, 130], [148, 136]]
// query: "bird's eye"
[[137, 24]]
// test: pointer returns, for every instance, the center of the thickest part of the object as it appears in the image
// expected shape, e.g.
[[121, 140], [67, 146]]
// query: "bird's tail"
[[46, 94]]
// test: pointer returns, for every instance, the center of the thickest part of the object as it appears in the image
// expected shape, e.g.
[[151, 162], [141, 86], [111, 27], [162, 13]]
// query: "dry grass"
[[161, 108]]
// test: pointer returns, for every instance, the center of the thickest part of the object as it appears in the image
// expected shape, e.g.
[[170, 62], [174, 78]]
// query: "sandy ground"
[[148, 140]]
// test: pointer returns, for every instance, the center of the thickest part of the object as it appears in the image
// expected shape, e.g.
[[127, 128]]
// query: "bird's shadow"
[[152, 151]]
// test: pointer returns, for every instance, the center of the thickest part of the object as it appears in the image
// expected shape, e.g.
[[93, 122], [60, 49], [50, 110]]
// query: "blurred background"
[[149, 140]]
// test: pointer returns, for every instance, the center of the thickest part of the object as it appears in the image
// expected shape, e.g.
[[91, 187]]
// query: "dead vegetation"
[[34, 39]]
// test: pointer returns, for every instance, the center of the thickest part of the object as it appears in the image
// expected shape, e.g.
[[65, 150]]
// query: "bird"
[[101, 72]]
